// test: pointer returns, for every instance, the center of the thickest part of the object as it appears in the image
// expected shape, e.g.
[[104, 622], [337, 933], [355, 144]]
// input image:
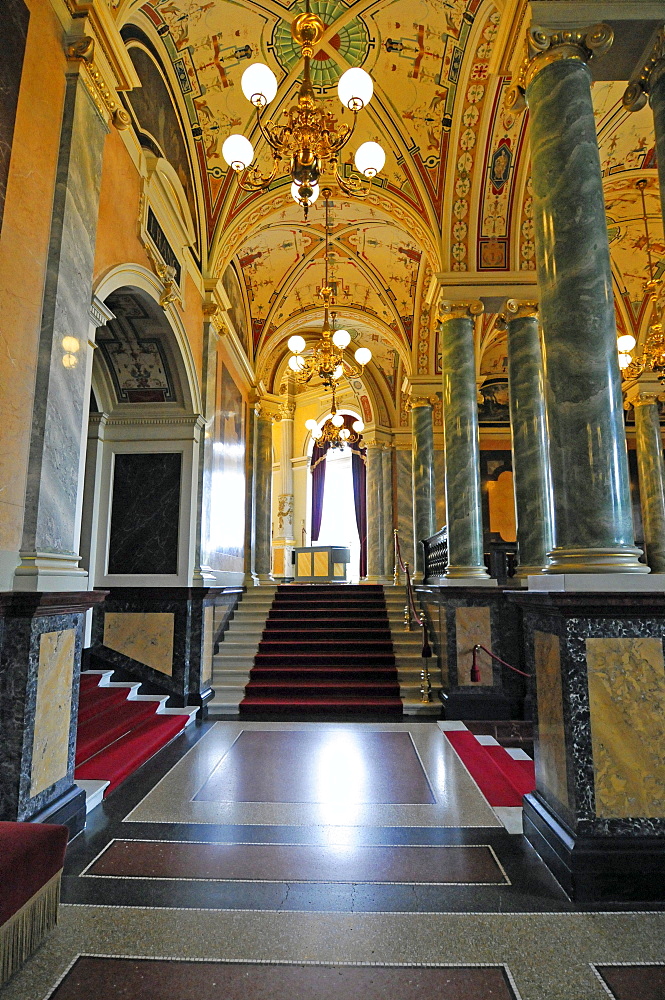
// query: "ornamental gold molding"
[[287, 410], [460, 310], [414, 402], [284, 509], [637, 91], [82, 52], [546, 47], [166, 275], [521, 310]]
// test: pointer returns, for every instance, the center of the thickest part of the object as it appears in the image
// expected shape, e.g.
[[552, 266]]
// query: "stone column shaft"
[[593, 528], [375, 538], [51, 530], [528, 424], [650, 81], [387, 511], [284, 540], [460, 433], [203, 574], [262, 498], [424, 491], [651, 472]]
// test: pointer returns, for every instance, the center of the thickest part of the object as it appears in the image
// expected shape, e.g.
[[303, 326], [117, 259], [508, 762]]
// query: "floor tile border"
[[292, 881], [594, 967], [312, 962]]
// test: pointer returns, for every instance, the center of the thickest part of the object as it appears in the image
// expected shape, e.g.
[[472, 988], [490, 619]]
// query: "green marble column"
[[424, 514], [651, 472], [528, 425], [460, 434], [651, 81], [262, 497], [593, 527], [375, 539]]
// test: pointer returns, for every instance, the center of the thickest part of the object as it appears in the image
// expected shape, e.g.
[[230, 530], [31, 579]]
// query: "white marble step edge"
[[510, 817], [133, 686], [94, 791]]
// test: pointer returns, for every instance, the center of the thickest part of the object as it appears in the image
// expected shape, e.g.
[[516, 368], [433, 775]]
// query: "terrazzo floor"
[[281, 861]]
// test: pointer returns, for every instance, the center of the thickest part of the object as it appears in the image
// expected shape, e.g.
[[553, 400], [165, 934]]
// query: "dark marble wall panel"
[[12, 49], [145, 514]]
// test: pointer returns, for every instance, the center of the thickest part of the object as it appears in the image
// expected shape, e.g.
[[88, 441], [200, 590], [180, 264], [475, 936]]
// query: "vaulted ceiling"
[[454, 196]]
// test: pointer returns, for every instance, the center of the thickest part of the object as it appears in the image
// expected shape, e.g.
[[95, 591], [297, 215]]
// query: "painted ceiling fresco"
[[454, 196]]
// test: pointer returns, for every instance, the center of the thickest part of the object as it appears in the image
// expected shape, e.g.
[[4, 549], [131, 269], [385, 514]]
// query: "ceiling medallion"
[[310, 138], [327, 360]]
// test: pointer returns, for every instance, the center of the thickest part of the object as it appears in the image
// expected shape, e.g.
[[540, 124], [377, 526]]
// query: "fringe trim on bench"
[[23, 932]]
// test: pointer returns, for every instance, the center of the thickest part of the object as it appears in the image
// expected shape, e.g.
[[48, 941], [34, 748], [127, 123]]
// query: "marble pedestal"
[[597, 817], [163, 637], [41, 638], [460, 617]]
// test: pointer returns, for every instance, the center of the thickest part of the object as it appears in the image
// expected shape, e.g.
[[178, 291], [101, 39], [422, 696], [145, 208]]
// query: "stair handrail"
[[475, 672], [409, 609]]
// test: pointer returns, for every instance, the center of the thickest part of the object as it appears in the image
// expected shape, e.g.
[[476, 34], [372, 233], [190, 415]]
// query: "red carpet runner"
[[502, 780], [115, 736], [325, 649]]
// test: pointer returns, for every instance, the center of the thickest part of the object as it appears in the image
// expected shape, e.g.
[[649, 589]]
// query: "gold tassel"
[[23, 932]]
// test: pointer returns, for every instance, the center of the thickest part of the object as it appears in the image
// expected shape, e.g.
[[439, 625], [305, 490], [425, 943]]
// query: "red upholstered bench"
[[31, 860]]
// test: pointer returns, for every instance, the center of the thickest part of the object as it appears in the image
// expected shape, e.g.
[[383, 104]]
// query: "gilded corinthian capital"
[[459, 310], [546, 47], [518, 309], [637, 91]]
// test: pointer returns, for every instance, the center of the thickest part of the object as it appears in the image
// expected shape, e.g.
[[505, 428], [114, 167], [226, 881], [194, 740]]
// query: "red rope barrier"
[[475, 670]]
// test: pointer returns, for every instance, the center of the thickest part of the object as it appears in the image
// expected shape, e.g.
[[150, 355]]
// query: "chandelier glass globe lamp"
[[309, 138]]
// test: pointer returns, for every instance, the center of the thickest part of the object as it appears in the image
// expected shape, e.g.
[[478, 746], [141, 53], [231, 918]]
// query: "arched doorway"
[[337, 498]]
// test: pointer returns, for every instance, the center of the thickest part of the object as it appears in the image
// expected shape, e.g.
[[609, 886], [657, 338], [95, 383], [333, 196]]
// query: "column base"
[[600, 870], [466, 572], [382, 580], [467, 581], [623, 559], [264, 580], [594, 582], [50, 571]]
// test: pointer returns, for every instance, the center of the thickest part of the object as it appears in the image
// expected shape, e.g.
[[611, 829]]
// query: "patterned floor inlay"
[[299, 863], [352, 766], [633, 982], [318, 774], [154, 979]]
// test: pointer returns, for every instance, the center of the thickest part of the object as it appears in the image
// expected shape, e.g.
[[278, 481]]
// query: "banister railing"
[[410, 610], [436, 557]]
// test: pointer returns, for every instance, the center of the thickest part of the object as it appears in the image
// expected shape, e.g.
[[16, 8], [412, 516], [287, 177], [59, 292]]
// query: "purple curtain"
[[318, 470], [359, 469]]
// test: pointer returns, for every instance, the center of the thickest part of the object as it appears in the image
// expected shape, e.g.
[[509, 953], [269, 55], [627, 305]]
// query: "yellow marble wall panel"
[[473, 626], [304, 564], [147, 638], [551, 746], [208, 635], [320, 564], [626, 678], [50, 744], [278, 562], [339, 569]]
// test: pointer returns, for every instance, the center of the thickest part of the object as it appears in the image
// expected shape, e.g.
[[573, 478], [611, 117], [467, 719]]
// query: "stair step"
[[127, 754]]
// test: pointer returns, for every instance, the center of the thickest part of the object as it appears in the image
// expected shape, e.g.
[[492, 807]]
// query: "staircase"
[[119, 730], [239, 645], [503, 774], [325, 649], [407, 647]]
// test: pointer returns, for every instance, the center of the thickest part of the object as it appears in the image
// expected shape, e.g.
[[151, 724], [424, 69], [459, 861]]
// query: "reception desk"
[[321, 564]]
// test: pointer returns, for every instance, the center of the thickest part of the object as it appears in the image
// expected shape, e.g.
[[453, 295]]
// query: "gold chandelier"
[[334, 431], [653, 351], [311, 138], [327, 360]]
